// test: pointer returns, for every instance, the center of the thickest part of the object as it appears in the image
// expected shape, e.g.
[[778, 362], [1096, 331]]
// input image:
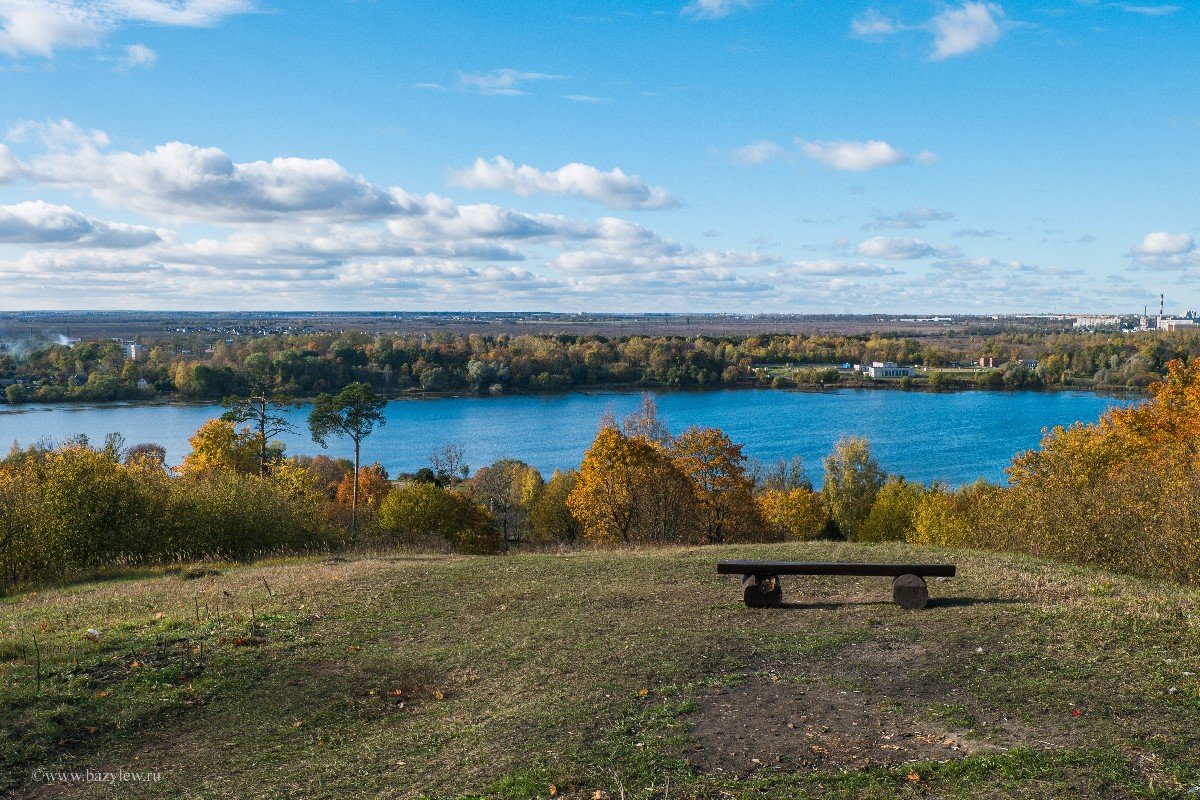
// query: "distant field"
[[209, 325], [597, 674]]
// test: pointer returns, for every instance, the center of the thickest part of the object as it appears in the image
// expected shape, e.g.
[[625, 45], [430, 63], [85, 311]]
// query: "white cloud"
[[857, 156], [39, 27], [1148, 11], [138, 55], [960, 30], [614, 188], [43, 223], [836, 268], [872, 23], [759, 152], [714, 9], [1161, 243], [956, 29], [56, 134], [902, 248], [10, 167], [917, 217], [183, 180], [502, 82], [587, 98]]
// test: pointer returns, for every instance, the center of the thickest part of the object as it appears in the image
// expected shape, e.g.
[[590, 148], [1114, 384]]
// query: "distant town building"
[[143, 383], [1175, 323], [1097, 322], [989, 361], [888, 369], [133, 351]]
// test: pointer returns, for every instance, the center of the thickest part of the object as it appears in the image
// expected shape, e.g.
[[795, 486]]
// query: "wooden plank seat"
[[761, 587]]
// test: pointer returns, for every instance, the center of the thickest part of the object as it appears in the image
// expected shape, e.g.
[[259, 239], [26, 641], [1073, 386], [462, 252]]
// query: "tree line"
[[1119, 494], [453, 363]]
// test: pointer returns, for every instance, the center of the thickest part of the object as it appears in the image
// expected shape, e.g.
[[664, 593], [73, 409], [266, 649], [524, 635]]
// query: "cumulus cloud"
[[956, 29], [759, 152], [713, 9], [1161, 243], [614, 188], [183, 180], [917, 217], [10, 167], [902, 248], [38, 222], [138, 55], [39, 27], [858, 156], [960, 30]]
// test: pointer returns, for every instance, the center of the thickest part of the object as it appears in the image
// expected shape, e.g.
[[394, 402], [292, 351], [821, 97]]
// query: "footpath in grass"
[[597, 675]]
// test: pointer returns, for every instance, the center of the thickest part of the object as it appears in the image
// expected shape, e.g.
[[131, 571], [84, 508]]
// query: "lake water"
[[952, 437]]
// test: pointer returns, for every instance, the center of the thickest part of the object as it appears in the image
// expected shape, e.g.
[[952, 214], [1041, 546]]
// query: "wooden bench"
[[761, 587]]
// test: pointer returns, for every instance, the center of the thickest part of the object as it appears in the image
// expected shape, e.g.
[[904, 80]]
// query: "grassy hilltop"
[[593, 674]]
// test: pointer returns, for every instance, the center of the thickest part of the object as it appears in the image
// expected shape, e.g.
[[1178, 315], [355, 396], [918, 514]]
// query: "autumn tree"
[[629, 491], [893, 512], [793, 513], [263, 407], [219, 447], [352, 413], [852, 481], [508, 489], [724, 492], [373, 486], [550, 519]]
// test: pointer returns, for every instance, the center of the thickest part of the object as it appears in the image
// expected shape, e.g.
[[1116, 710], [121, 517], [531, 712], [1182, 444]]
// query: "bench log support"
[[910, 592], [762, 591]]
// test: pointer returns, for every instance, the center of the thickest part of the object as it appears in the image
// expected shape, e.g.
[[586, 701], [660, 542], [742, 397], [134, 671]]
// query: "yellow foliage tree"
[[219, 447], [793, 513], [716, 468], [629, 491]]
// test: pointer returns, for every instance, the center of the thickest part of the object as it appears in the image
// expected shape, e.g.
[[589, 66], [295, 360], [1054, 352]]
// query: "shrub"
[[793, 513], [420, 512], [893, 513]]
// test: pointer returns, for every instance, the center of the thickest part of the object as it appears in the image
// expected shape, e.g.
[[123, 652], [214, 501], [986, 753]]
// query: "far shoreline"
[[621, 389]]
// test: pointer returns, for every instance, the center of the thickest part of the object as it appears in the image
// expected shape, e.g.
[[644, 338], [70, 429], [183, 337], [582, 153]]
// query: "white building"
[[1175, 323], [1097, 321], [888, 369]]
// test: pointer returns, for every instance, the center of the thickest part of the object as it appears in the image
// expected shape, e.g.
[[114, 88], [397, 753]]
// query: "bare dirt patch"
[[794, 727]]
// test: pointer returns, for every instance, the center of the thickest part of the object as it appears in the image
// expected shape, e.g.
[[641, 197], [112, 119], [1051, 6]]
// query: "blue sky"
[[716, 155]]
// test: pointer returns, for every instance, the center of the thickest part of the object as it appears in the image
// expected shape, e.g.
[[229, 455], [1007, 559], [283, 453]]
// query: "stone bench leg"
[[909, 591], [762, 591]]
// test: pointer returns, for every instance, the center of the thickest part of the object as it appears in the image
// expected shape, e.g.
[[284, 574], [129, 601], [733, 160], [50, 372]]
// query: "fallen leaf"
[[159, 615], [437, 695], [297, 723], [553, 790], [598, 795], [914, 777], [1075, 712], [816, 748], [102, 693], [643, 692], [135, 664]]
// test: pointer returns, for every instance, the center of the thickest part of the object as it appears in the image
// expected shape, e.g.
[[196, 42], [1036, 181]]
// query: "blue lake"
[[954, 437]]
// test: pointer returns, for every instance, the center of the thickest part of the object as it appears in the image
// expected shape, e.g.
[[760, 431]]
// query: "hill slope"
[[610, 672]]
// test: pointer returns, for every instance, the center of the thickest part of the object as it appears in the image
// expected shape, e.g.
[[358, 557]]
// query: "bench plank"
[[833, 568]]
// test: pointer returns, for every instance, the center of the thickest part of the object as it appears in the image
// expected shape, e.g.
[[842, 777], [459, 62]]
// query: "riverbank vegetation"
[[1118, 494], [188, 369]]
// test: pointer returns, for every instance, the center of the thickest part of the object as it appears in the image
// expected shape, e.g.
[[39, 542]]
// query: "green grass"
[[410, 676]]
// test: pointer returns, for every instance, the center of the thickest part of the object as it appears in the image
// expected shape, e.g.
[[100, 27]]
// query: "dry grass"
[[410, 676]]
